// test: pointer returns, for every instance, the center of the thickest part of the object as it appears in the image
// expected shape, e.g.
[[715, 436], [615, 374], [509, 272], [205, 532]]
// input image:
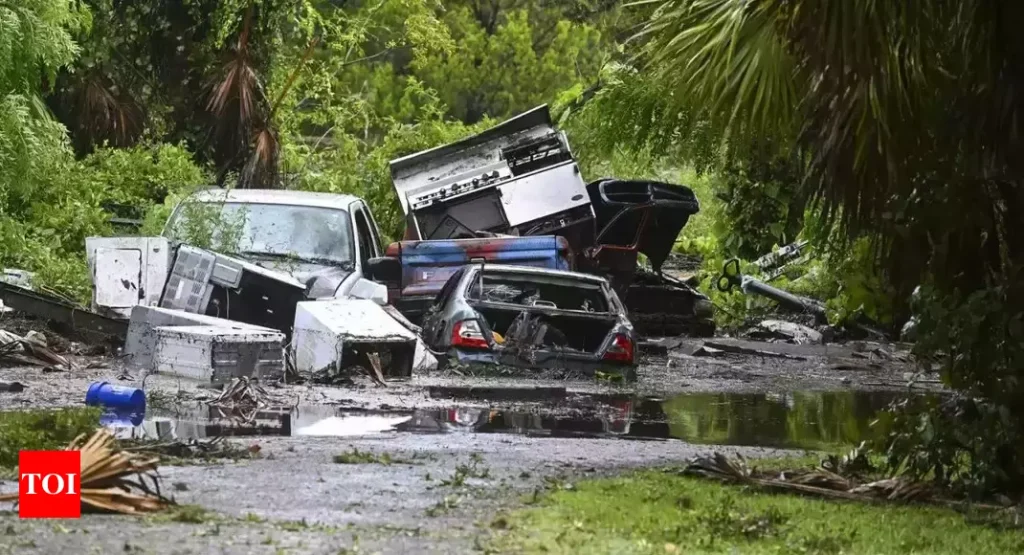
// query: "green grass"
[[42, 430], [661, 512]]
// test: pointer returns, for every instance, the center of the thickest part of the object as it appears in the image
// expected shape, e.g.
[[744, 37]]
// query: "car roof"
[[275, 196], [533, 270]]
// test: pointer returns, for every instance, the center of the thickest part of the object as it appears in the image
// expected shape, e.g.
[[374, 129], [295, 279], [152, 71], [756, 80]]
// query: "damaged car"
[[532, 317]]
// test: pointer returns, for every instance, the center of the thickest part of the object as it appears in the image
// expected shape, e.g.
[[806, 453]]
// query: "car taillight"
[[621, 349], [467, 334]]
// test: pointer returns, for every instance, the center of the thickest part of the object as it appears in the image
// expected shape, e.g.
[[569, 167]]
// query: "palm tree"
[[909, 117], [907, 112]]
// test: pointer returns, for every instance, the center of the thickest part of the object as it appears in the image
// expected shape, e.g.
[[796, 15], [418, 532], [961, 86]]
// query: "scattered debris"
[[20, 278], [52, 307], [241, 400], [774, 263], [31, 349], [340, 333], [788, 331], [11, 387], [188, 449], [114, 480], [713, 348], [731, 277], [822, 482]]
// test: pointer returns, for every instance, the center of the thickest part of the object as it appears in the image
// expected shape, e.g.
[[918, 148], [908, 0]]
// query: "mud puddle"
[[808, 420]]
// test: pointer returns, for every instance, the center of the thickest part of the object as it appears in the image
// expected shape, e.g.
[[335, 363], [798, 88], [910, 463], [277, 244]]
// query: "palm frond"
[[105, 114], [112, 480], [728, 57]]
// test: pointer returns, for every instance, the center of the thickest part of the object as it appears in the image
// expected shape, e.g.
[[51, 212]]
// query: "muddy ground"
[[294, 498]]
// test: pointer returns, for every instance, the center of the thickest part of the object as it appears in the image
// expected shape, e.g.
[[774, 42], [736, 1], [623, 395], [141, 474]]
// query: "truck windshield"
[[312, 234]]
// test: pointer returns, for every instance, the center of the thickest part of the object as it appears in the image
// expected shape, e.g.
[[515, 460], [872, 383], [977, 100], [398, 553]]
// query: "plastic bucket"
[[118, 398]]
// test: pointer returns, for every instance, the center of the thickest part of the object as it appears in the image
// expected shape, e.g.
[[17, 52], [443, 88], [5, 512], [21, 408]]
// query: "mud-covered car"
[[531, 318]]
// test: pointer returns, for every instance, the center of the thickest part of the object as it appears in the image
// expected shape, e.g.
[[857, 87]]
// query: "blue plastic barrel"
[[118, 398]]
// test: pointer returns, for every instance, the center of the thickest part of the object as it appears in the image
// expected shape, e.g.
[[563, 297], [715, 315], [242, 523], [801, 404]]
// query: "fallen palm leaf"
[[822, 482], [719, 467], [114, 480]]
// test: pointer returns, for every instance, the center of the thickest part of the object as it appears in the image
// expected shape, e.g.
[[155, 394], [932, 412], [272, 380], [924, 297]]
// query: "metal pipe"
[[794, 302]]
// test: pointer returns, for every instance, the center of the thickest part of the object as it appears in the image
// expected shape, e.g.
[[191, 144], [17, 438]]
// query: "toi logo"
[[49, 484]]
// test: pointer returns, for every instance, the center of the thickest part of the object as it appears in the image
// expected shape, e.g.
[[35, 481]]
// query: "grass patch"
[[42, 430], [355, 456], [465, 471], [661, 512]]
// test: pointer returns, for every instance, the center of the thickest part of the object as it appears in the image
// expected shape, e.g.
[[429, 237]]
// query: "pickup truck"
[[269, 250], [323, 240]]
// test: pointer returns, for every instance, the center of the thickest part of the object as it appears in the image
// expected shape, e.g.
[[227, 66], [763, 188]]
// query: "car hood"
[[670, 207], [321, 280]]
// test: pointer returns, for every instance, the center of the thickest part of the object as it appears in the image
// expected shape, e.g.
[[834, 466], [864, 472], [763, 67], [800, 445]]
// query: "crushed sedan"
[[531, 317]]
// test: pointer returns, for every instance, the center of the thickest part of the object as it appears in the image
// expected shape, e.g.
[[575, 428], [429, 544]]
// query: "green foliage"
[[659, 512], [973, 441], [42, 430], [508, 59], [35, 40], [901, 155], [972, 445]]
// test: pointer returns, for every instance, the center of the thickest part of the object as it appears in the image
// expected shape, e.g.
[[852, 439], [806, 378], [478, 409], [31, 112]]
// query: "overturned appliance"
[[127, 272], [335, 334], [534, 318], [517, 178], [218, 354], [213, 284], [142, 340]]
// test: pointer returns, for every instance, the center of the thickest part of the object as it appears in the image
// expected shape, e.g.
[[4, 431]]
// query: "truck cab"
[[322, 240]]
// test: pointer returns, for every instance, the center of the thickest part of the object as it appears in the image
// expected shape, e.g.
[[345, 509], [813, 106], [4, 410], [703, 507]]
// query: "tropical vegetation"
[[886, 133]]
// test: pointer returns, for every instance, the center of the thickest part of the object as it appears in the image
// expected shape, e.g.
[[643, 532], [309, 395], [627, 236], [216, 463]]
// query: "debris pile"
[[241, 400], [31, 349]]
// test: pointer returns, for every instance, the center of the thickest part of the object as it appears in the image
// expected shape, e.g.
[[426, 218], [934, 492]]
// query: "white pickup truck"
[[322, 241]]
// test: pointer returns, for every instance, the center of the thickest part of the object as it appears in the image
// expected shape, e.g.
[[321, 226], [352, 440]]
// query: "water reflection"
[[810, 420]]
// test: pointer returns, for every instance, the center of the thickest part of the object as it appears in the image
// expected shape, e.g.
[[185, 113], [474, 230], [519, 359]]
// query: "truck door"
[[365, 236]]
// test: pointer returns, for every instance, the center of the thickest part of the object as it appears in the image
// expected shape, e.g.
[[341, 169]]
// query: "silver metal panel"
[[548, 191]]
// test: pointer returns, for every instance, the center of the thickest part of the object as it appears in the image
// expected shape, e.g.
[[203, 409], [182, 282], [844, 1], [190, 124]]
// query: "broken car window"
[[306, 233], [539, 290]]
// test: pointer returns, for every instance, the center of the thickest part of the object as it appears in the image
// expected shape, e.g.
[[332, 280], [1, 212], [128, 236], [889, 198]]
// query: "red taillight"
[[621, 349], [467, 334]]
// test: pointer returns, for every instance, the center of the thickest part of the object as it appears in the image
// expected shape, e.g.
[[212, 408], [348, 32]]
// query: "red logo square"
[[49, 484]]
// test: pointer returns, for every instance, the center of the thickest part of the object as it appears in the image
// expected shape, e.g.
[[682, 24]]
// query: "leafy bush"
[[60, 201], [973, 440]]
